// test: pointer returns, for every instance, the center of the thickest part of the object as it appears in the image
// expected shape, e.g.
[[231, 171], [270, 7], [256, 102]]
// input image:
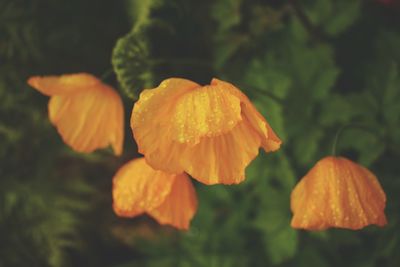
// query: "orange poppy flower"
[[87, 113], [168, 198], [337, 192], [211, 132]]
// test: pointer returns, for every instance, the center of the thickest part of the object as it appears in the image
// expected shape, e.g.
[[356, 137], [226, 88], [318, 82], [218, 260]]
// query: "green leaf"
[[131, 63], [307, 147], [275, 180], [139, 11], [311, 254], [334, 16], [50, 216], [227, 16], [226, 46], [297, 31], [386, 45], [131, 54], [273, 113], [390, 85], [383, 82], [226, 13], [367, 145], [344, 14], [266, 74], [336, 110], [320, 74]]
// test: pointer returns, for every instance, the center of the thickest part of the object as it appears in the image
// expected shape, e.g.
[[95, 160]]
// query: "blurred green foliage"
[[311, 67]]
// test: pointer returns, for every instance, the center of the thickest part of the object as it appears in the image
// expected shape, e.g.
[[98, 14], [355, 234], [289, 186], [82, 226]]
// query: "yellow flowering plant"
[[158, 163]]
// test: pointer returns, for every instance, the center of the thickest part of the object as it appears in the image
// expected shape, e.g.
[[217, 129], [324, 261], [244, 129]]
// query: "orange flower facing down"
[[168, 198], [87, 113], [211, 132], [337, 192]]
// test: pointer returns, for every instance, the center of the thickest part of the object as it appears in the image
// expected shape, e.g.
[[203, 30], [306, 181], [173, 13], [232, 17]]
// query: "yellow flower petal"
[[270, 141], [64, 84], [337, 192], [138, 188], [222, 159], [150, 119], [179, 206], [204, 112], [211, 132], [169, 198], [87, 118]]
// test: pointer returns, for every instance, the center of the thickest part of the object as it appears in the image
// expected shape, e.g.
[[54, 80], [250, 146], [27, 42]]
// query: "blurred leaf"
[[320, 74], [50, 222], [366, 145], [307, 147], [265, 75], [265, 19], [234, 36], [386, 45], [385, 84], [310, 254], [273, 113], [226, 46], [226, 13], [334, 16], [344, 14], [19, 32], [336, 110], [297, 30], [275, 179]]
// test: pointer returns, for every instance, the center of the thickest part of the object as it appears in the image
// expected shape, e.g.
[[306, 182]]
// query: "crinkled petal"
[[269, 140], [205, 112], [151, 123], [204, 131], [64, 84], [222, 159], [214, 160], [179, 206], [338, 193], [138, 188], [89, 119]]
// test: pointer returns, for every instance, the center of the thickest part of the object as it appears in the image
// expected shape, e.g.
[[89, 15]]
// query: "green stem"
[[264, 93], [335, 140], [315, 32], [350, 125], [207, 64]]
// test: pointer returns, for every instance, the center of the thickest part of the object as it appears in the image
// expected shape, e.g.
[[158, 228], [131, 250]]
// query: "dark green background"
[[309, 66]]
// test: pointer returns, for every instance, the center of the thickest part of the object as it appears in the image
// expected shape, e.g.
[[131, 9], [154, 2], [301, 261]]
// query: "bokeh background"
[[310, 66]]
